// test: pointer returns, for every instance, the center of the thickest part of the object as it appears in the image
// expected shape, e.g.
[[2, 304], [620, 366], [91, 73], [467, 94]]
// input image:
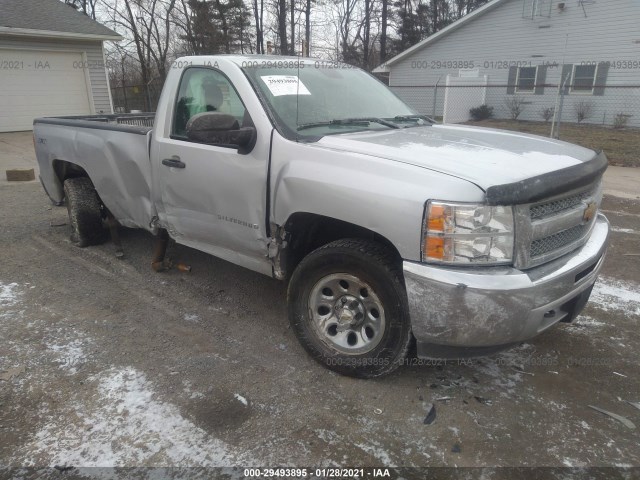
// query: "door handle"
[[174, 162]]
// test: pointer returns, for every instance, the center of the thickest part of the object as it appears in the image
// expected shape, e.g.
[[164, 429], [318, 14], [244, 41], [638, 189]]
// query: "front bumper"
[[458, 312]]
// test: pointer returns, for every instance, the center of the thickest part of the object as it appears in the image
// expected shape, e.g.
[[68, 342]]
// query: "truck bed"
[[114, 152]]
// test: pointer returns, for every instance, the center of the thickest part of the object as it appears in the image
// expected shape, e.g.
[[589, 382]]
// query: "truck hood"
[[483, 156]]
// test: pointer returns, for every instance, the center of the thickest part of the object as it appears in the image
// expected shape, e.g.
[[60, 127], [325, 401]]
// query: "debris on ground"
[[12, 372], [484, 401], [20, 175], [634, 404], [63, 468], [625, 421], [431, 416], [456, 448]]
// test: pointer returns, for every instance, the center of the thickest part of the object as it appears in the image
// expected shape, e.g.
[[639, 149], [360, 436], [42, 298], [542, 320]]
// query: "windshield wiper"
[[415, 118], [364, 121]]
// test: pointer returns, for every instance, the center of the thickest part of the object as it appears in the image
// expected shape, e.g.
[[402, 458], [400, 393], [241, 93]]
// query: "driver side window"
[[205, 90]]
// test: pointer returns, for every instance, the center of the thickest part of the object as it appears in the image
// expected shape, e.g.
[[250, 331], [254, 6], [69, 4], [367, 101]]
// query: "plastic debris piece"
[[456, 448], [443, 399], [183, 268], [378, 411], [63, 468], [619, 374], [625, 421], [634, 404], [484, 401], [431, 416]]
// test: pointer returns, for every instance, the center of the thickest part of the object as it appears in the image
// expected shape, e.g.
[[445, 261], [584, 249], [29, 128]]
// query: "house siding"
[[94, 56], [603, 31]]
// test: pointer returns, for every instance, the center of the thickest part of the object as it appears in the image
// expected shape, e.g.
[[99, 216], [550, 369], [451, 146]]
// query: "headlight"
[[467, 234]]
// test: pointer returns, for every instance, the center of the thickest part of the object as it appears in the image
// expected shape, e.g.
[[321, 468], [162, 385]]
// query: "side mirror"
[[220, 129]]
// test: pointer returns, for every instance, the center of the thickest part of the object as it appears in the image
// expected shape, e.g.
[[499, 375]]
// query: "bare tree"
[[307, 28], [258, 15], [88, 7], [383, 32], [147, 23]]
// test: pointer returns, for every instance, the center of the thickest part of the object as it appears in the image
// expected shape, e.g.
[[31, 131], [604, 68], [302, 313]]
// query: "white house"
[[51, 63], [524, 49]]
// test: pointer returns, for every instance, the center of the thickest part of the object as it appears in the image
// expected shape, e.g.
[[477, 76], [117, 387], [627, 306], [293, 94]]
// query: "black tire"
[[374, 266], [85, 215]]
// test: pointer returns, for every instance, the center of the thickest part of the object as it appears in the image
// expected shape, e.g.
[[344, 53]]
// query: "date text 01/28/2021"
[[330, 472]]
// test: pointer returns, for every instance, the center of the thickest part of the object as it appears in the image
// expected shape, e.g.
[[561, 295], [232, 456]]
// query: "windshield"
[[320, 99]]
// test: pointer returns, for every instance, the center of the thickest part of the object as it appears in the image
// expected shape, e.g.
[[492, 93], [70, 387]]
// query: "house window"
[[584, 78], [526, 81]]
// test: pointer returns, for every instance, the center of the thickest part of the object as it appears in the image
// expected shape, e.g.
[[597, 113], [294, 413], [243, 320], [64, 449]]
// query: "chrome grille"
[[557, 240], [553, 227], [551, 208]]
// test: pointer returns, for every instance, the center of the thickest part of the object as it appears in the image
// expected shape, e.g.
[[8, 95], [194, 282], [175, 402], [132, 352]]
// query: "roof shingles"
[[49, 15]]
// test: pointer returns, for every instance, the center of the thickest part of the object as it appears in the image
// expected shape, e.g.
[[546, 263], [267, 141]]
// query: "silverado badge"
[[590, 212]]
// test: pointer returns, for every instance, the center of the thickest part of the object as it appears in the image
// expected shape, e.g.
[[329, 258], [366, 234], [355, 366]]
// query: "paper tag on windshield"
[[285, 85]]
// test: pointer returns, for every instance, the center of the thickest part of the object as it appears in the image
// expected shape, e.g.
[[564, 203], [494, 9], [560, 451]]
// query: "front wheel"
[[348, 308]]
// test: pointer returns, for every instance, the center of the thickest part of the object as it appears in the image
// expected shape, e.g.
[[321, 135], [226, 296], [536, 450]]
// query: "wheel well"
[[306, 232], [65, 169]]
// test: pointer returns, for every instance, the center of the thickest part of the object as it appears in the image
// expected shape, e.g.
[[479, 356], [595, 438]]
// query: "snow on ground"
[[71, 355], [610, 294], [622, 230], [114, 419], [8, 294], [124, 424]]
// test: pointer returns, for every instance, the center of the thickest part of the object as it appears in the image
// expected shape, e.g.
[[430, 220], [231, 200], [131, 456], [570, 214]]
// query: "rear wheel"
[[84, 209], [348, 308]]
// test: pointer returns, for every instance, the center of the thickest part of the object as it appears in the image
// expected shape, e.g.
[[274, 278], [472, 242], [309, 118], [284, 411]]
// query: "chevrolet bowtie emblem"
[[590, 212]]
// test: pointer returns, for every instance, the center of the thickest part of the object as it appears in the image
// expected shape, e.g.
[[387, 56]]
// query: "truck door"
[[212, 197]]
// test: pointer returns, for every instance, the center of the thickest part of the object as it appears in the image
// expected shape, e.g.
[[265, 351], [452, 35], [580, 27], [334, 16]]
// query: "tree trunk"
[[307, 29], [282, 26], [258, 27], [383, 32], [365, 35], [293, 27]]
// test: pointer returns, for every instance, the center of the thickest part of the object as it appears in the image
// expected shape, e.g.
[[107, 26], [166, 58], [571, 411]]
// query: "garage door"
[[39, 84]]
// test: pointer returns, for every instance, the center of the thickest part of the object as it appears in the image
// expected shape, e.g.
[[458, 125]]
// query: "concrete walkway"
[[16, 151]]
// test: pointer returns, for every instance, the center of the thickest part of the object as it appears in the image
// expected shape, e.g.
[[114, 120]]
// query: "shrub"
[[620, 120], [515, 105], [482, 112], [583, 109], [547, 113]]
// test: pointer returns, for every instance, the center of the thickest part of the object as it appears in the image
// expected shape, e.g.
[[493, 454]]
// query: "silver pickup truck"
[[388, 228]]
